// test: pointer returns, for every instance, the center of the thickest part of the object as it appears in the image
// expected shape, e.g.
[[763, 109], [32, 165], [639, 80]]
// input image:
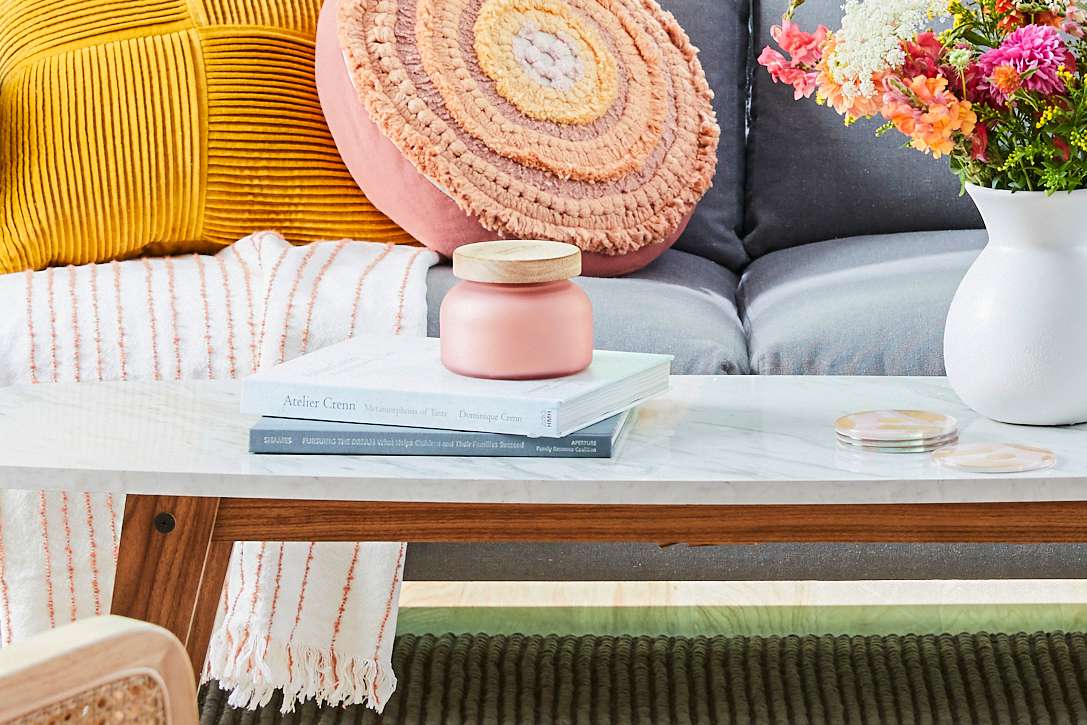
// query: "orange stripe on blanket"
[[112, 525], [275, 596], [225, 596], [267, 301], [352, 326], [175, 334], [298, 611], [207, 313], [252, 600], [388, 612], [121, 351], [5, 600], [69, 556], [290, 300], [240, 549], [398, 319], [51, 300], [247, 278], [232, 360], [43, 520], [238, 552], [96, 587], [156, 373], [97, 322], [348, 583], [313, 293], [76, 342], [32, 362]]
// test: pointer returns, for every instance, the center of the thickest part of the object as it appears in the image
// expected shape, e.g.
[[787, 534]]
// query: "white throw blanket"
[[315, 620]]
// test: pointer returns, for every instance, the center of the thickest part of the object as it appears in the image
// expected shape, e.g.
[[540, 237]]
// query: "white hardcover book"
[[401, 381]]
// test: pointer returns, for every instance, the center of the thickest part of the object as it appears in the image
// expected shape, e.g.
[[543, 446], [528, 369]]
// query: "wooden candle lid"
[[516, 261]]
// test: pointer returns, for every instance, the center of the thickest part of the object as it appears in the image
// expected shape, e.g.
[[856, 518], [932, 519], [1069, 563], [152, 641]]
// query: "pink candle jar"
[[516, 315]]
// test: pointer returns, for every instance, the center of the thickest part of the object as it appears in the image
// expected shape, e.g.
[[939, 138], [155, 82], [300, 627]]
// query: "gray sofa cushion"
[[809, 178], [719, 29], [681, 304], [860, 306]]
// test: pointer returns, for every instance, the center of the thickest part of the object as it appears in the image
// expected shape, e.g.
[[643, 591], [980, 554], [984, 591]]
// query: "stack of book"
[[392, 396]]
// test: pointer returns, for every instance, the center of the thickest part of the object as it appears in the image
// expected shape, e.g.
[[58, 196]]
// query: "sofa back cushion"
[[719, 29], [810, 178]]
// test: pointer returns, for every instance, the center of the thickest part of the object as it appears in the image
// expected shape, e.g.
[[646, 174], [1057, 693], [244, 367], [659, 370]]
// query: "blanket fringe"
[[257, 666]]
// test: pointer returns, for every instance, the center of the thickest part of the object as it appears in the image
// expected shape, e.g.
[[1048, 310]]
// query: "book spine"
[[320, 402], [430, 443]]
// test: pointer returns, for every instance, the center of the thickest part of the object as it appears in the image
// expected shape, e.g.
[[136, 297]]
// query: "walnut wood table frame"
[[175, 549], [719, 460]]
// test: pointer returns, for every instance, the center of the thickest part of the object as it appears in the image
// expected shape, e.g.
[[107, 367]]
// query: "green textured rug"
[[490, 679]]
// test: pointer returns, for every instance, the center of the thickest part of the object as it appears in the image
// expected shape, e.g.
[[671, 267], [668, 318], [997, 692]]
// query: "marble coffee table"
[[718, 460]]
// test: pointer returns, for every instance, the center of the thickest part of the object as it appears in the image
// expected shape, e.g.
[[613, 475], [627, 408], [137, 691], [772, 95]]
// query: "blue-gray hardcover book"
[[294, 436]]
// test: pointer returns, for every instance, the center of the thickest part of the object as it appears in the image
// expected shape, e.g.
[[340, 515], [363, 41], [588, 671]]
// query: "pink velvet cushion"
[[394, 184]]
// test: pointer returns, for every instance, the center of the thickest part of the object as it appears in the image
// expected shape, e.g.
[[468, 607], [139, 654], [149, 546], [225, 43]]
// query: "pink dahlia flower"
[[1032, 55]]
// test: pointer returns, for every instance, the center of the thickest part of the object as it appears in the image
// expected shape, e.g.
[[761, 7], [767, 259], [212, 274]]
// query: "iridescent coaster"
[[896, 425], [926, 446], [995, 457]]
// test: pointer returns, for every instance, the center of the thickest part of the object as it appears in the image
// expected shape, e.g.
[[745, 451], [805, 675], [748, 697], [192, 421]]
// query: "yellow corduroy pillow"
[[165, 126]]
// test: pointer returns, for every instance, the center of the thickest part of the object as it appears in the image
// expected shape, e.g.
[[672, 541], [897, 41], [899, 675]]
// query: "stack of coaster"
[[896, 431]]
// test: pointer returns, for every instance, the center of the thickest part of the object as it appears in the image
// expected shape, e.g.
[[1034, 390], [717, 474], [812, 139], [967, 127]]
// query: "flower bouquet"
[[1000, 92]]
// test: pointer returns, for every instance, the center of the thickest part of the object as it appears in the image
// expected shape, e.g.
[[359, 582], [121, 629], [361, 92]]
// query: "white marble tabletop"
[[710, 440]]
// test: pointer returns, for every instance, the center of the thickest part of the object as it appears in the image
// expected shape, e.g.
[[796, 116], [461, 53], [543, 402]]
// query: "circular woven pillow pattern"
[[584, 121]]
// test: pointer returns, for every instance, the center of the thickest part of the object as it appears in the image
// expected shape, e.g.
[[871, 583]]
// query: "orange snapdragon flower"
[[923, 109]]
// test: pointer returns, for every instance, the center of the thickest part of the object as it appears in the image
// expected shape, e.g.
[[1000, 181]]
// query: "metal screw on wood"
[[164, 522]]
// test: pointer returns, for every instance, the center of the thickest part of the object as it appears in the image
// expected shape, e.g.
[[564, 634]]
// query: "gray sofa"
[[820, 250]]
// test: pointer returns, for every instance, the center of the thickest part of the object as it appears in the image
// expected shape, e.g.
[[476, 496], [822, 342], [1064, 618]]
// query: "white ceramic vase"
[[1015, 346]]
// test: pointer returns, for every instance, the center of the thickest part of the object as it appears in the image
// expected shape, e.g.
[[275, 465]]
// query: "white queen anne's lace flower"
[[870, 41]]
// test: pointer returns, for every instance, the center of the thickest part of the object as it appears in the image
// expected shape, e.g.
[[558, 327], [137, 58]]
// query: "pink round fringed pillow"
[[473, 120]]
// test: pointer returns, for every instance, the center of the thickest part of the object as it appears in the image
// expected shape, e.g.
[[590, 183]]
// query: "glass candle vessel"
[[515, 314]]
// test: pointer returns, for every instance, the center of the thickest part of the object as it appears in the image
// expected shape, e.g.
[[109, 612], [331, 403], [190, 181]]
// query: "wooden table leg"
[[169, 571], [207, 602]]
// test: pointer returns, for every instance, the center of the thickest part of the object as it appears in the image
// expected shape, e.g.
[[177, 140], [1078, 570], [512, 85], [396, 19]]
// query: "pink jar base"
[[516, 331]]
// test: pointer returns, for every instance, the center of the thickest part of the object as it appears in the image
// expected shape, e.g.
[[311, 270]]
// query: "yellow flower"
[[1079, 139], [958, 13], [1048, 115]]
